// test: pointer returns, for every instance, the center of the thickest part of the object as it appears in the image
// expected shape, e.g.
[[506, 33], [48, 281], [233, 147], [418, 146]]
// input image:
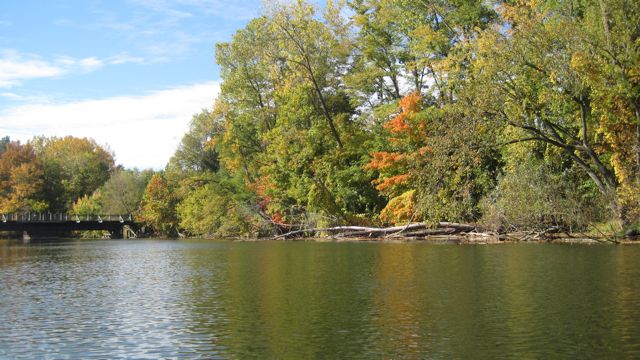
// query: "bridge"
[[61, 225]]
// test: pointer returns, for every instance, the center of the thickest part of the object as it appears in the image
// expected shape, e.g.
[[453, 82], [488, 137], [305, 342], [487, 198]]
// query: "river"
[[304, 300]]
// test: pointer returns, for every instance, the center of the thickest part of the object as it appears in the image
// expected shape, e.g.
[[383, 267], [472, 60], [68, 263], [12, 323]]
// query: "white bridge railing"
[[61, 217]]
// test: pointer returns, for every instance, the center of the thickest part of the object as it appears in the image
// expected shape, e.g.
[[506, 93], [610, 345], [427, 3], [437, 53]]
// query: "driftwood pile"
[[414, 230], [447, 232]]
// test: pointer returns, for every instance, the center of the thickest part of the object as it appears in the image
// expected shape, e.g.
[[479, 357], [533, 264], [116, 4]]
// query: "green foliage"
[[543, 191], [548, 70], [3, 143], [220, 207], [195, 152], [523, 114], [73, 167], [87, 205], [123, 192], [460, 168], [158, 207], [324, 116]]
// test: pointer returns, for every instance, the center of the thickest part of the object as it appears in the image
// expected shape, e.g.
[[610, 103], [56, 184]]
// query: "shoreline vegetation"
[[448, 233], [353, 119]]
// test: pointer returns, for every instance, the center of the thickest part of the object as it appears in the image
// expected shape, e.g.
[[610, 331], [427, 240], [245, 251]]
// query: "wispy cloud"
[[83, 65], [11, 95], [125, 58], [90, 63], [219, 8], [25, 98], [143, 131], [16, 68], [165, 30]]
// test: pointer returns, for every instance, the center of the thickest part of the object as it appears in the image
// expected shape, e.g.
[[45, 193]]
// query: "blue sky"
[[128, 73]]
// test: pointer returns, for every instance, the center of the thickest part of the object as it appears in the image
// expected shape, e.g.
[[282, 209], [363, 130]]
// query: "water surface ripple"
[[294, 300]]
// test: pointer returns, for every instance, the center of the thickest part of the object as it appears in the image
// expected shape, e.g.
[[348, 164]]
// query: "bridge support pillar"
[[117, 233]]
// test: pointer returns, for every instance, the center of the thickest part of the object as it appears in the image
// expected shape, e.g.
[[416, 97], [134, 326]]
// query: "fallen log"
[[317, 230], [430, 232], [413, 230], [458, 226], [380, 232]]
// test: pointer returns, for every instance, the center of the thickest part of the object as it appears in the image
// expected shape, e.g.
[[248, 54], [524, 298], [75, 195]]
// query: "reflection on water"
[[293, 300]]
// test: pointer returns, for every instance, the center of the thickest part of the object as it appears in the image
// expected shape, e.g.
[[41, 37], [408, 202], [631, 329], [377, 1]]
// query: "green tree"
[[607, 59], [3, 143], [287, 124], [196, 152], [531, 78], [158, 207], [380, 54], [73, 167], [246, 106], [88, 205], [221, 206], [541, 187], [313, 50], [428, 160], [123, 192]]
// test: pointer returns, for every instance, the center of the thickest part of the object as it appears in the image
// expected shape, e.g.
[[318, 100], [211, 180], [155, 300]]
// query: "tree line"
[[519, 114], [66, 175], [513, 114]]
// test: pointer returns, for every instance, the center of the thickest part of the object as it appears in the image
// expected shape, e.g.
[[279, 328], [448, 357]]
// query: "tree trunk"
[[325, 110], [637, 112], [605, 23]]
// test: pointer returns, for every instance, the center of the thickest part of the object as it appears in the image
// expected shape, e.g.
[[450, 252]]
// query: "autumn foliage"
[[21, 179], [524, 114], [393, 166], [51, 174]]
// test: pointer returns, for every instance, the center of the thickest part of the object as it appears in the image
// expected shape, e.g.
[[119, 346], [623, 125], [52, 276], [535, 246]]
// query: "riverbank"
[[448, 233], [477, 239]]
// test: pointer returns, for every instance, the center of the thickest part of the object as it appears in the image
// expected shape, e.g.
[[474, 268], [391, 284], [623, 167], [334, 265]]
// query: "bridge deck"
[[56, 224], [60, 218]]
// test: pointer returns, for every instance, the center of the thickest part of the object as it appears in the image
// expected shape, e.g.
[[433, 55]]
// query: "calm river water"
[[301, 300]]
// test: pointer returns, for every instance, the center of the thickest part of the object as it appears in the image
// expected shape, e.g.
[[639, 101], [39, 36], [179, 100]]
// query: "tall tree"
[[246, 108], [286, 120], [122, 193], [532, 78], [195, 152], [73, 167], [606, 56], [317, 54], [410, 46], [3, 143], [158, 207], [426, 160], [21, 183]]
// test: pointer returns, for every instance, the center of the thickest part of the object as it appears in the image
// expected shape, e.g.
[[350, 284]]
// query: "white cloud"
[[125, 58], [15, 68], [143, 131], [84, 65], [224, 9], [11, 95], [90, 64]]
